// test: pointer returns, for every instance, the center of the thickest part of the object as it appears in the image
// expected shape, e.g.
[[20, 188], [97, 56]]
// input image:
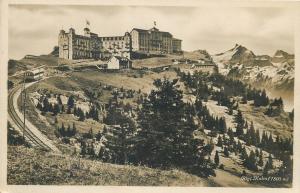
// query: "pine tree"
[[166, 128], [230, 111], [264, 98], [250, 162], [119, 142], [240, 123], [75, 111], [270, 162], [91, 150], [56, 109], [252, 135], [226, 152], [39, 106], [46, 105], [69, 132], [89, 134], [231, 135], [62, 130], [239, 146], [256, 152], [286, 170], [264, 140], [59, 100], [69, 110], [261, 160], [83, 148], [81, 115], [74, 130], [50, 109], [257, 138], [291, 115], [246, 125], [217, 159], [222, 125], [270, 142], [105, 130], [244, 154], [98, 135], [247, 137], [55, 120], [266, 169], [70, 102], [220, 141]]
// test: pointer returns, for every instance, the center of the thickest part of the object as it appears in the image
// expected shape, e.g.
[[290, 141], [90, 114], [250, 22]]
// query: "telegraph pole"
[[24, 106]]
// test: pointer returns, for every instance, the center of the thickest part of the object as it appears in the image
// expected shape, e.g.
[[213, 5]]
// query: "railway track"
[[28, 133]]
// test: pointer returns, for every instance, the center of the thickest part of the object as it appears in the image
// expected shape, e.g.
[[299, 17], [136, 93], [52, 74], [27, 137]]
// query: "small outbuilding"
[[119, 62]]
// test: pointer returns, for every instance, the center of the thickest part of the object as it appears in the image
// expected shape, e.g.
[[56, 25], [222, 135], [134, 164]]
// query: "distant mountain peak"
[[238, 46], [281, 53]]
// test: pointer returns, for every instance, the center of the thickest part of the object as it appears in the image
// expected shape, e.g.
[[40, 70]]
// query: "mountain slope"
[[273, 72]]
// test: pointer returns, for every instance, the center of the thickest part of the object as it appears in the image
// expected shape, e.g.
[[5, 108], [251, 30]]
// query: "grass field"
[[125, 79], [76, 81], [38, 167], [155, 61]]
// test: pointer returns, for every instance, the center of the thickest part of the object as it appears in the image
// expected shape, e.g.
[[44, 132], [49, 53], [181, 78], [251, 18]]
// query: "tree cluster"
[[66, 132], [46, 106], [215, 124], [164, 137]]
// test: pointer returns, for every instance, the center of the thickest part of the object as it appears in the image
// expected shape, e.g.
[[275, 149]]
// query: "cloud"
[[33, 29]]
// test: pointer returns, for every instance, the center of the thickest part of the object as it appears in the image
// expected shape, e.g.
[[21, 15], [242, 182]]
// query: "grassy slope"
[[279, 125], [28, 63], [30, 166], [82, 79], [116, 79], [155, 61], [46, 60], [88, 79]]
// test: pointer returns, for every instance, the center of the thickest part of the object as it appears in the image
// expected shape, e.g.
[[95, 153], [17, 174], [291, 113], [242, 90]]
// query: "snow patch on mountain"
[[276, 71]]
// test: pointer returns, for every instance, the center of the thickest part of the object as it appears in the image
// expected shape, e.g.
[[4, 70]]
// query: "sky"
[[33, 29]]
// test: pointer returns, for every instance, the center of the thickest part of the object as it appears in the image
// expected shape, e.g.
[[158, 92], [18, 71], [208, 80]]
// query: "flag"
[[87, 22]]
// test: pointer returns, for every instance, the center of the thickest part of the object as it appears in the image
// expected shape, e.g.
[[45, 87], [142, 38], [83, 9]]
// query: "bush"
[[221, 166]]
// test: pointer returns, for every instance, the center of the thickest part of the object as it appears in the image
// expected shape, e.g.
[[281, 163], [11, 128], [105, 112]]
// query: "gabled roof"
[[150, 30], [139, 30], [177, 39], [121, 58]]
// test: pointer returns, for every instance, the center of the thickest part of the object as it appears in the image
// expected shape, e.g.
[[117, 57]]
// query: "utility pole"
[[24, 106]]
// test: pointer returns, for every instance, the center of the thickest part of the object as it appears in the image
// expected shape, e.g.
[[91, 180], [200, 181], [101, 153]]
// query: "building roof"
[[149, 30], [93, 34], [81, 36], [120, 58], [139, 30], [176, 39]]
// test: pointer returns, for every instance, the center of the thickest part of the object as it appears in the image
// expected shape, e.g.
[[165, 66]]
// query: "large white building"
[[154, 41], [73, 46], [91, 46]]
